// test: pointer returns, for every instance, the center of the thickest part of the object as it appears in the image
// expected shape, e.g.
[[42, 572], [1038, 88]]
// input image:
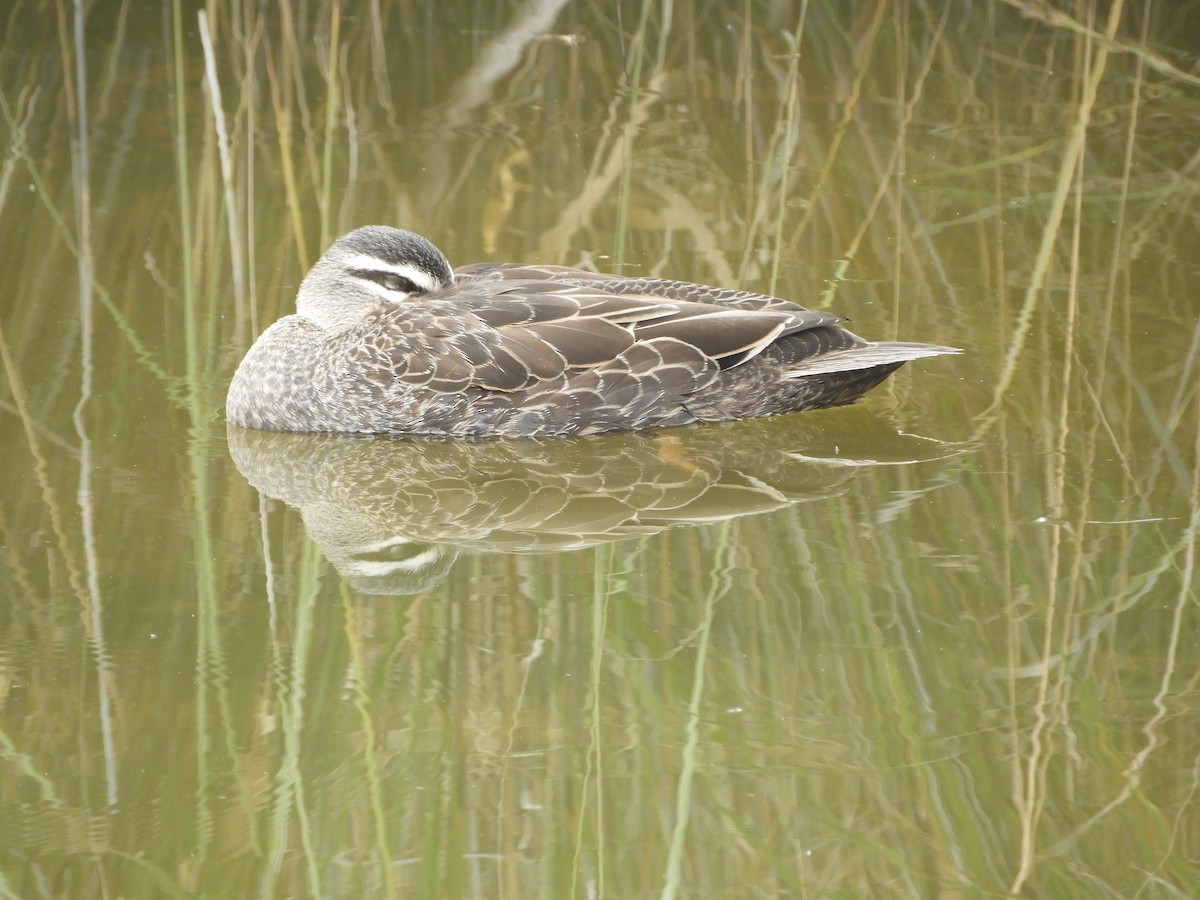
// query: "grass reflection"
[[969, 674]]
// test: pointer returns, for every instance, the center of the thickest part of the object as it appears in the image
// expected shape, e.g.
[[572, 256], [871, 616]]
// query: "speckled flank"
[[535, 351]]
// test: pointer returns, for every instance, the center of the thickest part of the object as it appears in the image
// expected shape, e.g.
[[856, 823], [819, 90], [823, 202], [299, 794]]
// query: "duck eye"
[[399, 283], [390, 281]]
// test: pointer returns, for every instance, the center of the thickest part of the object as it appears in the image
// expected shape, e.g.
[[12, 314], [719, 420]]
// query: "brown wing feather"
[[645, 384], [517, 326], [721, 334], [553, 300], [518, 309], [423, 361], [583, 342]]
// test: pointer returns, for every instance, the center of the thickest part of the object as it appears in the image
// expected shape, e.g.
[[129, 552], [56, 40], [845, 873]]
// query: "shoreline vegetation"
[[968, 675]]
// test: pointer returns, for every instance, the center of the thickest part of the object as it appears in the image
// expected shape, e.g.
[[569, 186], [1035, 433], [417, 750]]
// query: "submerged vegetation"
[[967, 675]]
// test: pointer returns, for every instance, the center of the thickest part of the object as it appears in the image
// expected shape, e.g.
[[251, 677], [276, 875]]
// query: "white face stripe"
[[366, 262]]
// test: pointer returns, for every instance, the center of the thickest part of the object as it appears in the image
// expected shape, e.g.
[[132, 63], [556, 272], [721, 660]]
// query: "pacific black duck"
[[388, 339]]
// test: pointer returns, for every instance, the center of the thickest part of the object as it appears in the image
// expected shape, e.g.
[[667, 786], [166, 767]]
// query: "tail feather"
[[868, 357]]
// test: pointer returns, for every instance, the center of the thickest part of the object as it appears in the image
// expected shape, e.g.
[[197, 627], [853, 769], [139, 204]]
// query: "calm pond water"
[[942, 642]]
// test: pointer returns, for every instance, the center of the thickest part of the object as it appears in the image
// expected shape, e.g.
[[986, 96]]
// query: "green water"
[[941, 643]]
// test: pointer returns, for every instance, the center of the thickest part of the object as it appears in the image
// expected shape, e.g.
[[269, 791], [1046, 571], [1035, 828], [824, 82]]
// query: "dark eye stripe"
[[389, 280]]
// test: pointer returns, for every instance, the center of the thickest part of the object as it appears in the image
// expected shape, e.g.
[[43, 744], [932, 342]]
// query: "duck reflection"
[[392, 515]]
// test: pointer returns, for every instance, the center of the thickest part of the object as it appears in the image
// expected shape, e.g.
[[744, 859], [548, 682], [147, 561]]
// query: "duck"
[[388, 339]]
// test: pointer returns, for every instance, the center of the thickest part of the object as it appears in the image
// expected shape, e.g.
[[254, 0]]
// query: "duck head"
[[366, 267]]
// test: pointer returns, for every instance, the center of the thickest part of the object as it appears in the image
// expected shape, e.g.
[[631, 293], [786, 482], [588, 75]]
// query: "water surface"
[[940, 642]]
